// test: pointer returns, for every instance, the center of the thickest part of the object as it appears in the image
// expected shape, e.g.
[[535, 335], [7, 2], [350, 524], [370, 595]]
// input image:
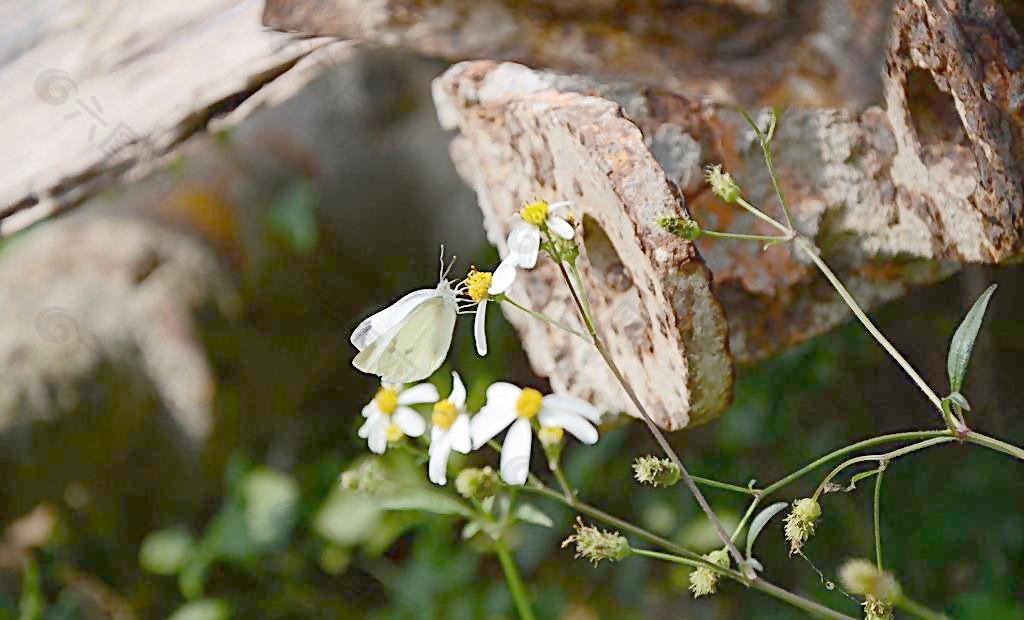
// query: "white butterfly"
[[408, 340]]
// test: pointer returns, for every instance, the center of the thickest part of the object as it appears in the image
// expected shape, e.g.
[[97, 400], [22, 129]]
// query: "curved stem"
[[767, 152], [543, 317], [912, 607], [812, 252], [515, 582], [867, 443], [762, 215], [878, 517], [651, 426], [888, 456], [745, 237]]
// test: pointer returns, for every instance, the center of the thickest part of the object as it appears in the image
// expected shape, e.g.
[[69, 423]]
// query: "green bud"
[[477, 483], [703, 580], [596, 545], [875, 609], [655, 472], [681, 227], [800, 523], [367, 476], [722, 183], [860, 576]]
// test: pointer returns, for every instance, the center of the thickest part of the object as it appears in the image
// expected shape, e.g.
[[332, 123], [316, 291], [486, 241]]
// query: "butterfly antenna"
[[441, 271]]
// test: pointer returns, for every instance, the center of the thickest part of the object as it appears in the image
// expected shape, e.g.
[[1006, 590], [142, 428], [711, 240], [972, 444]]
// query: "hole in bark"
[[603, 257], [934, 116]]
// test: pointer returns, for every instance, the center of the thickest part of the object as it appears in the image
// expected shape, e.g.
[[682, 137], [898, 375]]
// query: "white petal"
[[460, 436], [489, 422], [556, 208], [378, 440], [504, 275], [370, 409], [440, 448], [411, 423], [480, 328], [458, 394], [418, 394], [515, 452], [575, 424], [364, 430], [558, 402], [524, 242], [502, 393], [560, 227]]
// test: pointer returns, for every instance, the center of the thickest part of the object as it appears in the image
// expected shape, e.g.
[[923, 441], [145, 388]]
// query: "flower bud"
[[551, 439], [679, 226], [875, 609], [800, 522], [861, 576], [478, 484], [655, 472], [703, 580], [722, 183], [596, 545], [367, 476]]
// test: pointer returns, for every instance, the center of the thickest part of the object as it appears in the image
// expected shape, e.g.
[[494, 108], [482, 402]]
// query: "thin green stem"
[[766, 150], [544, 317], [570, 495], [668, 557], [746, 517], [912, 607], [651, 426], [994, 444], [888, 456], [515, 582], [763, 216], [867, 443], [725, 486], [812, 252], [878, 515], [745, 237]]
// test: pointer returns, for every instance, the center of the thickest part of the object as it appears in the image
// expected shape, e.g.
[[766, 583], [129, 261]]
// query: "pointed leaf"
[[760, 521], [532, 514], [959, 400], [963, 340]]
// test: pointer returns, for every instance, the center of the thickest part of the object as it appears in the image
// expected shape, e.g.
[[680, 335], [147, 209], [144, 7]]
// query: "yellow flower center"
[[444, 414], [535, 213], [550, 435], [477, 283], [387, 400], [393, 433], [528, 403]]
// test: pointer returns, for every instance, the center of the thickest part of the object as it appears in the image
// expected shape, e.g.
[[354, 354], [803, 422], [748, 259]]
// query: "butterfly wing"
[[380, 323], [414, 347]]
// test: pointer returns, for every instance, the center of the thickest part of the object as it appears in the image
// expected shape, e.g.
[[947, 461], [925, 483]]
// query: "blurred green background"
[[328, 207]]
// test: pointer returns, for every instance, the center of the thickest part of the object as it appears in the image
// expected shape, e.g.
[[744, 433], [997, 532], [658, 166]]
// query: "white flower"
[[512, 407], [480, 286], [450, 431], [524, 240], [388, 416]]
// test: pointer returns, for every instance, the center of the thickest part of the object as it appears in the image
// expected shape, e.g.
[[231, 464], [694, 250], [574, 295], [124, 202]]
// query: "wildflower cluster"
[[800, 523], [655, 471], [596, 545], [704, 580]]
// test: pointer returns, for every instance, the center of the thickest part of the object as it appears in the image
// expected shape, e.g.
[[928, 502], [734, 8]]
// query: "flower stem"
[[668, 557], [762, 215], [570, 496], [515, 582], [544, 317], [651, 426], [888, 456], [995, 444], [812, 252], [878, 516], [766, 150], [912, 607], [725, 486], [745, 237]]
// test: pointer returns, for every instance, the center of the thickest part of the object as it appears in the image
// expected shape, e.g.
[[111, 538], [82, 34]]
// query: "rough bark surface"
[[809, 53], [97, 95]]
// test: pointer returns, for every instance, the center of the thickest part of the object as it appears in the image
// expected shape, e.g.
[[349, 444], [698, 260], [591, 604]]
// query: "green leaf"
[[963, 340], [959, 400], [531, 514], [426, 500], [271, 505], [164, 552], [204, 609], [760, 521]]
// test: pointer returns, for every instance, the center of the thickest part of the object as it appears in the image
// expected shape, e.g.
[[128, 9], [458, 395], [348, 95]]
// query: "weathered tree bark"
[[893, 196], [97, 96]]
